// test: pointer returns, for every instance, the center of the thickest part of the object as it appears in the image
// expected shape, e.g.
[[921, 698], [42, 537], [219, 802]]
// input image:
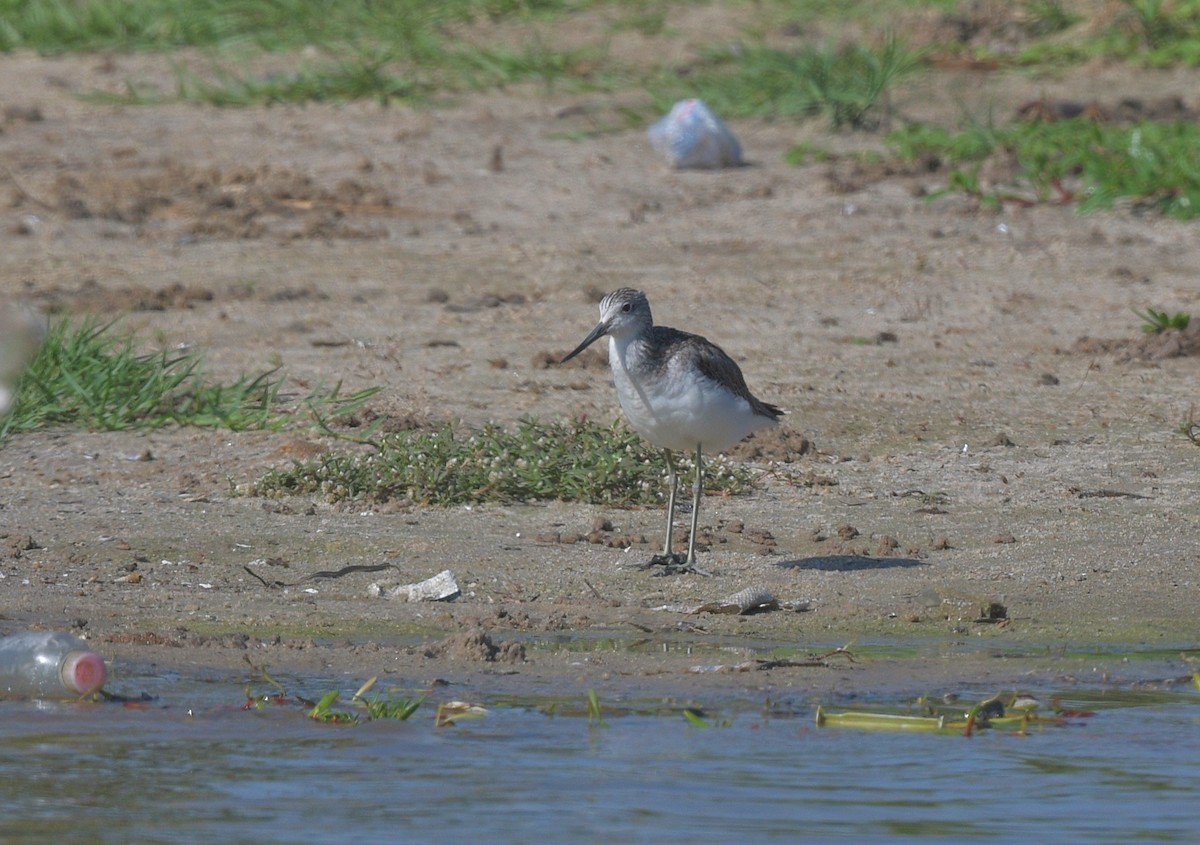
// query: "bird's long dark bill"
[[596, 334]]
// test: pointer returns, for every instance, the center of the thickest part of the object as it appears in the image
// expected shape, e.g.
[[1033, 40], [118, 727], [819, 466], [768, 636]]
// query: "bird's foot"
[[675, 563]]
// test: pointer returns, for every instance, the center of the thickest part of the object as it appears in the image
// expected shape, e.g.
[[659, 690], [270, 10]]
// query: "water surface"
[[192, 767]]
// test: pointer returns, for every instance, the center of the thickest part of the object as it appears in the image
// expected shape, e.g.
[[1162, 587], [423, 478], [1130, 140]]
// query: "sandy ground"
[[991, 437]]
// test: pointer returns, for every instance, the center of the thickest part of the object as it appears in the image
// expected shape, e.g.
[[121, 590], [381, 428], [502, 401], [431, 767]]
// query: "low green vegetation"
[[358, 709], [390, 706], [1156, 33], [1093, 165], [806, 152], [1156, 322], [595, 713], [697, 720], [404, 50], [87, 375], [354, 77], [1148, 33], [1048, 17], [414, 51], [422, 51], [572, 460], [57, 26], [846, 84], [356, 72]]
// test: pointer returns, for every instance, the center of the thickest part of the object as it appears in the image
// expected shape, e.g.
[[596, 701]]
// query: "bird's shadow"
[[849, 563]]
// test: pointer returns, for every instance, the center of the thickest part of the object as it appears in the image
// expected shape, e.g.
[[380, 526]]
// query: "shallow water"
[[192, 767]]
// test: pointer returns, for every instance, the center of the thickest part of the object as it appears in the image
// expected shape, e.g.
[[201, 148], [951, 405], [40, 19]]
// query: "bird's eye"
[[627, 307]]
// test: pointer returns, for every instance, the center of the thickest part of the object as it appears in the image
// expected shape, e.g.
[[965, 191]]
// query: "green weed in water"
[[323, 711], [376, 708], [1010, 712], [697, 720], [594, 713], [388, 706]]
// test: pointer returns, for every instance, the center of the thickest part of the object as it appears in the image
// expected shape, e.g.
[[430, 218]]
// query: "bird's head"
[[623, 313]]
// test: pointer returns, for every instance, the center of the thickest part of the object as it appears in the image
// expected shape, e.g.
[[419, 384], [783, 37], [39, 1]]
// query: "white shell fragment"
[[441, 587]]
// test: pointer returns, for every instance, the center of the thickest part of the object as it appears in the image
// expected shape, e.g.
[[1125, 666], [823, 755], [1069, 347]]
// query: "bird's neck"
[[621, 350]]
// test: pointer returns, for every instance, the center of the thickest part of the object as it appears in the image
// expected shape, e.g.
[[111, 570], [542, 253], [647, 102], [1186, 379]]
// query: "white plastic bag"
[[691, 136]]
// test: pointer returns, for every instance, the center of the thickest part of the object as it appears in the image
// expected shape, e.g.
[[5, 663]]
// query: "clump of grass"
[[576, 460], [1153, 23], [323, 711], [86, 375], [1157, 322], [1153, 165], [372, 709], [850, 84], [847, 84], [361, 76], [1150, 33], [805, 153], [696, 719], [387, 50], [595, 713], [53, 26], [1154, 33], [1046, 17], [386, 74], [389, 706]]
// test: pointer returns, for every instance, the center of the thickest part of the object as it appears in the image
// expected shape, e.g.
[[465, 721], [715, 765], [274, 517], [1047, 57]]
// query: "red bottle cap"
[[83, 672]]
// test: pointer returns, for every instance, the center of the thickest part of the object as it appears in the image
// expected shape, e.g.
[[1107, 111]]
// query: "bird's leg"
[[697, 492], [672, 486], [669, 563]]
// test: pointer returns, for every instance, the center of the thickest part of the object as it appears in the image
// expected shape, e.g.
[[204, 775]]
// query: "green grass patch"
[[86, 375], [410, 49], [57, 26], [805, 153], [1155, 33], [572, 460], [359, 76], [1157, 322], [1048, 17], [846, 84], [1146, 33], [362, 73], [386, 50], [1151, 165]]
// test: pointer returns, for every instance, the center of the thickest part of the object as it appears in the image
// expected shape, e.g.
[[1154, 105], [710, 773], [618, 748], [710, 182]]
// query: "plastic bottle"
[[48, 664], [691, 136]]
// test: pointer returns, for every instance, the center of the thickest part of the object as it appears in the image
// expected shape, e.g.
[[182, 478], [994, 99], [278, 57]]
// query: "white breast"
[[678, 407]]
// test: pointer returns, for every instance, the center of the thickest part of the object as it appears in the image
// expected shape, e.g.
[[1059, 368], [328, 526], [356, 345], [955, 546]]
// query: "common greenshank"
[[680, 391]]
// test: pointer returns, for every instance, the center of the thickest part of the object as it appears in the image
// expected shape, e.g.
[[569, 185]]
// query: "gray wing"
[[712, 361]]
